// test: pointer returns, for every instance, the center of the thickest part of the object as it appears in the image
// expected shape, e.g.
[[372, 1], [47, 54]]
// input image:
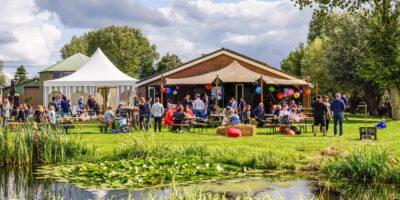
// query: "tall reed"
[[27, 145]]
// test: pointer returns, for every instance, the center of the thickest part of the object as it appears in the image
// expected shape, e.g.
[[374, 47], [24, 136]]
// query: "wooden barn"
[[226, 74]]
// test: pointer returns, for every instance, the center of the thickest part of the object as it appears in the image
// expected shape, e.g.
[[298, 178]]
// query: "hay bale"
[[246, 129], [221, 130]]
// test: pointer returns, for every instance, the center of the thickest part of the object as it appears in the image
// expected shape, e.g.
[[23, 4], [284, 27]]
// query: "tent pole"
[[216, 92], [262, 90], [162, 92]]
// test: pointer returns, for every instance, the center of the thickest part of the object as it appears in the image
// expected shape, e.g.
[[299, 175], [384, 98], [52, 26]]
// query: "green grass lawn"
[[300, 147]]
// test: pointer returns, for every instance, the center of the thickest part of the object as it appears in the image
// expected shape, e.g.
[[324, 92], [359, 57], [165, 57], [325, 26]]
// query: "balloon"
[[280, 95], [308, 91], [296, 95], [258, 90], [169, 90], [208, 87], [175, 92], [290, 92], [177, 87], [164, 90], [271, 88], [301, 91], [219, 93]]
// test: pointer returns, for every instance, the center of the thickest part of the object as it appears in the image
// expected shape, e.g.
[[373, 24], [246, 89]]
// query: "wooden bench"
[[182, 126], [200, 126]]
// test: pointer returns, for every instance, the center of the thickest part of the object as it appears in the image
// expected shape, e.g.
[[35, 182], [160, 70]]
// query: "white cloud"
[[32, 36]]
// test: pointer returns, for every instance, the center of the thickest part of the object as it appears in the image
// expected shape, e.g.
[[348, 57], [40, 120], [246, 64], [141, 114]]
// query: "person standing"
[[81, 106], [147, 113], [141, 112], [52, 116], [198, 106], [157, 110], [242, 106], [328, 117], [234, 103], [246, 114], [186, 101], [319, 111], [90, 102], [338, 107], [5, 113]]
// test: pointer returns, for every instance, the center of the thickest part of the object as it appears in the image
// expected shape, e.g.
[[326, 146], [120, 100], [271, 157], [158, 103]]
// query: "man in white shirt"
[[157, 110], [198, 106]]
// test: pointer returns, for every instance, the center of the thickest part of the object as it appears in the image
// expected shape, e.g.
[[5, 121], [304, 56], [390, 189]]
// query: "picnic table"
[[216, 119]]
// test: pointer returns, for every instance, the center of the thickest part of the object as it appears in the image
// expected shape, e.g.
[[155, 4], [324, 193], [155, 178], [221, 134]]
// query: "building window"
[[61, 74]]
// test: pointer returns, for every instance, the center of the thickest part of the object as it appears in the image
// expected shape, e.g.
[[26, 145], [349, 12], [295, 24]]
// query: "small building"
[[60, 69], [235, 74], [25, 92]]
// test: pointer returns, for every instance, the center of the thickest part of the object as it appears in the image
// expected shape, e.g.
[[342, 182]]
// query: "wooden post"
[[162, 92], [262, 90], [216, 92]]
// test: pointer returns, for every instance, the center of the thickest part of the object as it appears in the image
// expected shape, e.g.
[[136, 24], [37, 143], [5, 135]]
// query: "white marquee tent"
[[98, 73]]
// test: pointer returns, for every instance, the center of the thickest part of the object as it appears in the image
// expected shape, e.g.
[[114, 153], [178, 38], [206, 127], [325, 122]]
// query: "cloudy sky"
[[33, 31]]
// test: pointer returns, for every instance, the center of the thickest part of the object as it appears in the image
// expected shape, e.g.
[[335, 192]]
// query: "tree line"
[[352, 46]]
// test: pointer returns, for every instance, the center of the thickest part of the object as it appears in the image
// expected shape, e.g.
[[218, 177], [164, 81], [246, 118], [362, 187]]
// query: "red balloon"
[[308, 91], [164, 90], [280, 95], [208, 87]]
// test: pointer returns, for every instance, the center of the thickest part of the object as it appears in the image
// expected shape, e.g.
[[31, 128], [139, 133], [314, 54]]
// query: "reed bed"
[[29, 144]]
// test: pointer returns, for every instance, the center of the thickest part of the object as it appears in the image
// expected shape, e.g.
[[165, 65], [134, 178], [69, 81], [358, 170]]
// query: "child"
[[382, 124], [234, 117], [52, 115], [246, 114]]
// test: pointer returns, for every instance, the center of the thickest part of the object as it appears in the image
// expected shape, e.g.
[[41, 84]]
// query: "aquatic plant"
[[361, 165], [28, 144]]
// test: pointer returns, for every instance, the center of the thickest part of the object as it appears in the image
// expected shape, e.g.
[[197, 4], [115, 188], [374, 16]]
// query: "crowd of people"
[[200, 109]]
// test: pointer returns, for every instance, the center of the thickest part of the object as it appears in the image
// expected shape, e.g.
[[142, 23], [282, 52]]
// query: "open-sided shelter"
[[225, 73]]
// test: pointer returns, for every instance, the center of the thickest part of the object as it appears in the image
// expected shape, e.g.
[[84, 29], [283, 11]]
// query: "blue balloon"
[[169, 90], [258, 90]]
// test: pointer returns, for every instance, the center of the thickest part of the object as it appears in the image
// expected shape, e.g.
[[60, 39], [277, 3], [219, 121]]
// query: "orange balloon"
[[308, 91]]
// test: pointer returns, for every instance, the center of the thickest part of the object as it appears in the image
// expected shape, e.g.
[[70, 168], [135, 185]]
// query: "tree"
[[125, 46], [76, 44], [3, 78], [21, 74], [382, 17], [292, 64], [167, 62]]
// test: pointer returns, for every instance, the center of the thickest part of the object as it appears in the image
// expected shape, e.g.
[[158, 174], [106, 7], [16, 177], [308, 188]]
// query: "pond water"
[[17, 183]]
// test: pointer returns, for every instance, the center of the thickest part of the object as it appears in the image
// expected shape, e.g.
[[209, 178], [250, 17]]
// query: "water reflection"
[[22, 183]]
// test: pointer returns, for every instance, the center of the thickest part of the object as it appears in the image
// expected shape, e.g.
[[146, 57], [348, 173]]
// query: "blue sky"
[[33, 31]]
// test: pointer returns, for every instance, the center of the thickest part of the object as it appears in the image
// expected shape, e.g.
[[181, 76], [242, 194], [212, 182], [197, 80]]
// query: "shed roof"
[[71, 63]]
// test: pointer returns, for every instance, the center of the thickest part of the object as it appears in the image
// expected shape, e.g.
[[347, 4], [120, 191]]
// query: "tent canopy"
[[97, 71], [233, 73]]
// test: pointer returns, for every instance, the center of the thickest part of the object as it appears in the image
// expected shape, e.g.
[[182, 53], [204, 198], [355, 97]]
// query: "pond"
[[17, 183]]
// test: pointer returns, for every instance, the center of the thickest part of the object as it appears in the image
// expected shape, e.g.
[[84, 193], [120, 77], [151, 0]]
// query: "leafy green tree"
[[167, 62], [76, 44], [3, 78], [292, 64], [125, 46], [21, 74]]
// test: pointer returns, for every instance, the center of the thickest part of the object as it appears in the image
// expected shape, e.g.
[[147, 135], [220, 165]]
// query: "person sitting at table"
[[178, 117], [109, 117], [293, 106], [246, 114], [285, 115], [233, 117], [226, 115], [276, 109], [259, 114], [169, 119], [23, 113], [188, 111], [38, 115]]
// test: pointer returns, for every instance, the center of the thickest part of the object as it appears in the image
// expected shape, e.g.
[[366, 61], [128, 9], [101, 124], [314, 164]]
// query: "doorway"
[[151, 92], [239, 92]]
